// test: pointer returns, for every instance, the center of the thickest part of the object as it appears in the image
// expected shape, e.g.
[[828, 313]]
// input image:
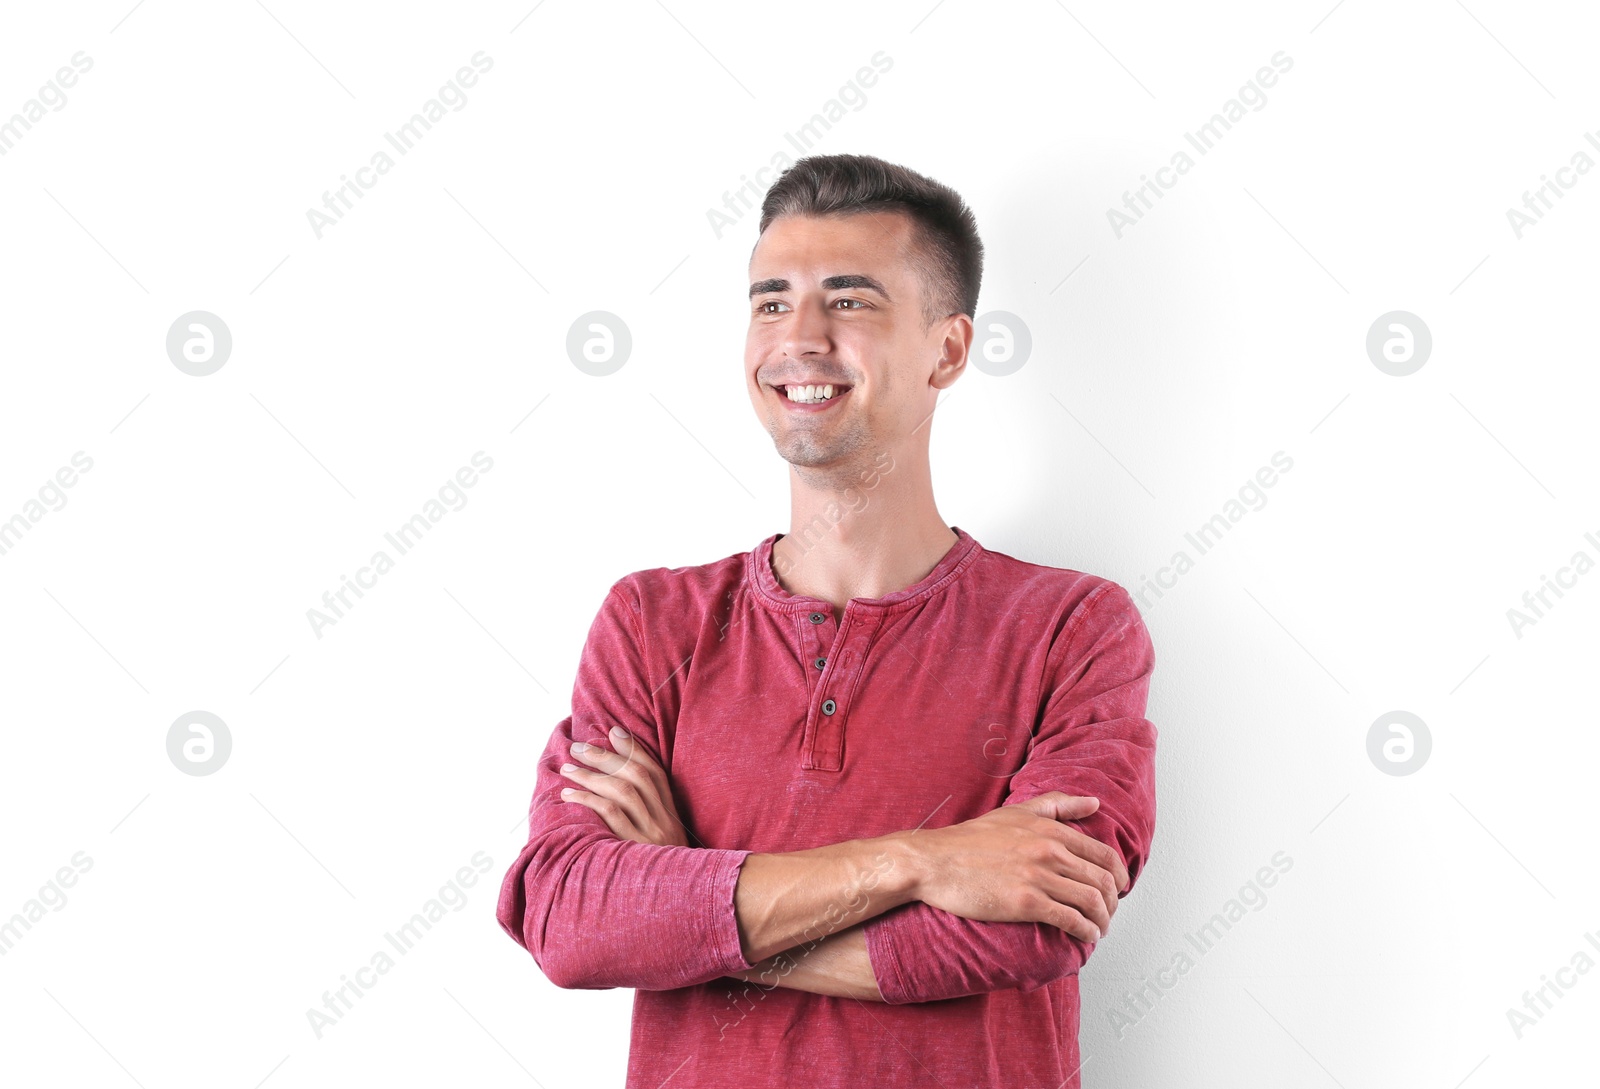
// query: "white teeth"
[[809, 394]]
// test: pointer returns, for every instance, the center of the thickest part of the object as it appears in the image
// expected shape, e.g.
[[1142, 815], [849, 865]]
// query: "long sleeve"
[[596, 911], [1092, 739]]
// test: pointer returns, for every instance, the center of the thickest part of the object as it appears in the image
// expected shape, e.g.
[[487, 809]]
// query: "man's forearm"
[[795, 898], [837, 966], [1018, 863]]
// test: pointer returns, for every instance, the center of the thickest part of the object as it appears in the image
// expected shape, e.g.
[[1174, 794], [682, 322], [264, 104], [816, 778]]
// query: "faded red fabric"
[[990, 681]]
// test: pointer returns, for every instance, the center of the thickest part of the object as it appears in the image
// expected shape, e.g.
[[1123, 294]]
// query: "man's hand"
[[1021, 863], [629, 790]]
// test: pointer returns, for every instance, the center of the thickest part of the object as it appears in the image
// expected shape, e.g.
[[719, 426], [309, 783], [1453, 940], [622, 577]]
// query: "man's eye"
[[858, 303], [761, 308]]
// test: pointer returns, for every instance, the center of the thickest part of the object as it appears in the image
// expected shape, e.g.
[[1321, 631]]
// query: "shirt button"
[[817, 618], [829, 707], [821, 663]]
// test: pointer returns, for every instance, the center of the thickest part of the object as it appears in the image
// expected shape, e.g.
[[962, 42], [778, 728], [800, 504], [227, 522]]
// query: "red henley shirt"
[[785, 724]]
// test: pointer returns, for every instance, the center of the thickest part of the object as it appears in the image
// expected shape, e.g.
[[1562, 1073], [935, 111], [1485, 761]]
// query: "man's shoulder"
[[1068, 589], [1078, 610], [695, 585]]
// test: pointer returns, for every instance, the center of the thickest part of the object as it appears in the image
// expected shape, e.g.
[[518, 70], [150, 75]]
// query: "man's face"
[[837, 299]]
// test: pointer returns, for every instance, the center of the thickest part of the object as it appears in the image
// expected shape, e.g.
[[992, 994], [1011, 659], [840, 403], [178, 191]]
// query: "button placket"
[[825, 723], [826, 661], [822, 637], [826, 736]]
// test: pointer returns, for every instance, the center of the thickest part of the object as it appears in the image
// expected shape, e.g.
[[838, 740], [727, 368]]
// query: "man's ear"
[[954, 346]]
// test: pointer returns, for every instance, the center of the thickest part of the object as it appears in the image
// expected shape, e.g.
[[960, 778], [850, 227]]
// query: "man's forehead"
[[812, 248]]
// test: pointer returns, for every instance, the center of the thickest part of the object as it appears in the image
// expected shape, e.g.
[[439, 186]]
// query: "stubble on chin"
[[831, 466]]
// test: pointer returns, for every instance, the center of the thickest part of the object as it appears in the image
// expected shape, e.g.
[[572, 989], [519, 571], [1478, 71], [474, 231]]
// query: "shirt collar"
[[761, 575]]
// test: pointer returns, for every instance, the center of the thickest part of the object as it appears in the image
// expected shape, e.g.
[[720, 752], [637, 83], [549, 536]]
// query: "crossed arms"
[[1019, 863], [609, 893]]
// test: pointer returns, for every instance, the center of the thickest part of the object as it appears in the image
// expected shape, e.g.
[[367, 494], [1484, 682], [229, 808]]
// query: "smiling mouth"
[[812, 394]]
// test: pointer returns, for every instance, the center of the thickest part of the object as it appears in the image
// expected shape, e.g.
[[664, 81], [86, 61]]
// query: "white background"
[[369, 764]]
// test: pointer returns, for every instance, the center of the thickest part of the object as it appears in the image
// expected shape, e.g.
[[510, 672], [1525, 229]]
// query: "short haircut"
[[947, 250]]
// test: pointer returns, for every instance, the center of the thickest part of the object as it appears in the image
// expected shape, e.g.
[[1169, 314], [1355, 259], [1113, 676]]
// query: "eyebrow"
[[832, 283]]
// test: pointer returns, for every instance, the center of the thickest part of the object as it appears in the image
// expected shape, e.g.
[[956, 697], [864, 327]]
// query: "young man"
[[853, 807]]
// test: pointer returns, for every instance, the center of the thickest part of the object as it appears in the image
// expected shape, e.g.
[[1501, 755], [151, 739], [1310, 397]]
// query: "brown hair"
[[944, 231]]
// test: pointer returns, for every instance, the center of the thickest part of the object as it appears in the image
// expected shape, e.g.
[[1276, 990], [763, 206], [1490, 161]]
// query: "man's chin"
[[824, 468], [809, 465], [837, 451]]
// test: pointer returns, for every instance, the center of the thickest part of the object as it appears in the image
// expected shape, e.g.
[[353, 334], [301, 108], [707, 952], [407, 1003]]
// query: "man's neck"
[[860, 540]]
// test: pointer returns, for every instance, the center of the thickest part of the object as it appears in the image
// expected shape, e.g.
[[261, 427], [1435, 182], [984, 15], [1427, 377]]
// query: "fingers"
[[630, 749], [610, 812], [620, 793], [1089, 849], [1069, 920], [1101, 856], [1094, 890], [1062, 807], [629, 758], [637, 775], [633, 780]]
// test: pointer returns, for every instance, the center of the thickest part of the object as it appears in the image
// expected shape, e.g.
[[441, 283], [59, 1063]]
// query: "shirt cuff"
[[884, 958], [721, 923]]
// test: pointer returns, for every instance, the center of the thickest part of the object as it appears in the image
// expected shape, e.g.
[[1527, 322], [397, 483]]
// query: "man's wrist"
[[906, 869], [788, 899]]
